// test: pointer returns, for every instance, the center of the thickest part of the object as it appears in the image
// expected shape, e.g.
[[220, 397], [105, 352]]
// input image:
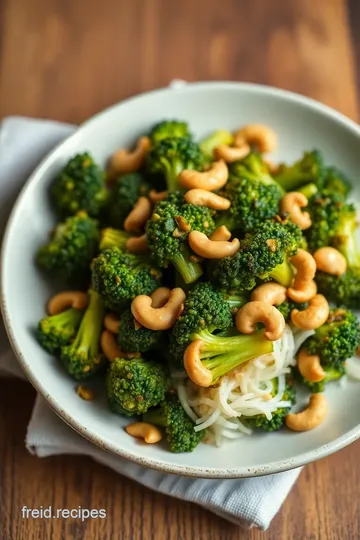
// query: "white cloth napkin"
[[246, 502]]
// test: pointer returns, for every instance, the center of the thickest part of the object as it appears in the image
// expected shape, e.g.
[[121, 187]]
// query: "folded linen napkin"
[[246, 502]]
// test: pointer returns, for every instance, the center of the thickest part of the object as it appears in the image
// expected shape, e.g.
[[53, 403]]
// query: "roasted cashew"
[[331, 261], [303, 295], [305, 268], [109, 346], [124, 161], [138, 215], [142, 430], [157, 196], [258, 135], [311, 417], [272, 293], [210, 249], [210, 180], [160, 296], [260, 312], [65, 300], [292, 203], [137, 244], [231, 153], [309, 366], [194, 367], [222, 233], [111, 322], [161, 318], [314, 316], [202, 197]]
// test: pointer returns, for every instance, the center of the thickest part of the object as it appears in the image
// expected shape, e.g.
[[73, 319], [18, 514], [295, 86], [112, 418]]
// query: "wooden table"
[[67, 60]]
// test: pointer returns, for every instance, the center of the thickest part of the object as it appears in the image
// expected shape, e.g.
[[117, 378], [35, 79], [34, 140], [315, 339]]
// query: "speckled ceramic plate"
[[300, 124]]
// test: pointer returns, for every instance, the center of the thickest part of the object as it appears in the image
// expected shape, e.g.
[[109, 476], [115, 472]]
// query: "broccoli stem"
[[236, 300], [190, 271], [283, 273], [220, 136], [290, 181], [172, 169], [308, 190], [155, 417], [227, 220], [345, 241], [87, 339], [113, 237], [222, 354]]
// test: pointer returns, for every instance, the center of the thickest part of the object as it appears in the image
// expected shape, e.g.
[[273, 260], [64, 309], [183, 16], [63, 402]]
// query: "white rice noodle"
[[244, 393]]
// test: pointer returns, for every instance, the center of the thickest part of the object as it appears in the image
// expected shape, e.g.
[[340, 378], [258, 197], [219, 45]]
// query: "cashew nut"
[[201, 197], [124, 161], [260, 312], [309, 366], [258, 135], [314, 316], [222, 233], [111, 322], [210, 180], [161, 318], [330, 260], [65, 300], [210, 249], [142, 430], [109, 346], [292, 203], [311, 417], [157, 196], [305, 268], [160, 296], [194, 367], [138, 215], [137, 244], [303, 295], [231, 153], [271, 293]]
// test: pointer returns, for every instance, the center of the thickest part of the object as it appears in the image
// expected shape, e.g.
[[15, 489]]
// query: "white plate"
[[301, 124]]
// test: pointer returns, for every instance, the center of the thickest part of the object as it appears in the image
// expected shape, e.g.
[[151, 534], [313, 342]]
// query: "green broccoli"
[[264, 255], [309, 190], [118, 277], [55, 331], [167, 231], [124, 193], [337, 182], [134, 339], [234, 299], [134, 386], [341, 290], [83, 358], [72, 246], [113, 238], [169, 128], [79, 186], [287, 306], [309, 169], [172, 155], [204, 308], [259, 421], [178, 426], [253, 193], [221, 136]]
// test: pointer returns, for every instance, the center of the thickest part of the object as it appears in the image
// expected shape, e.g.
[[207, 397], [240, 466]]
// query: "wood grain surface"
[[68, 59]]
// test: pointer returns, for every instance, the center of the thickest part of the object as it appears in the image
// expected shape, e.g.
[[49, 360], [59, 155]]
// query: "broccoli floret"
[[167, 231], [278, 417], [221, 136], [113, 238], [169, 128], [178, 426], [234, 300], [309, 190], [264, 254], [71, 249], [83, 357], [134, 339], [79, 186], [124, 193], [341, 290], [204, 308], [344, 238], [287, 306], [134, 386], [172, 155], [309, 169], [253, 193], [55, 331], [118, 277], [331, 374], [337, 182]]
